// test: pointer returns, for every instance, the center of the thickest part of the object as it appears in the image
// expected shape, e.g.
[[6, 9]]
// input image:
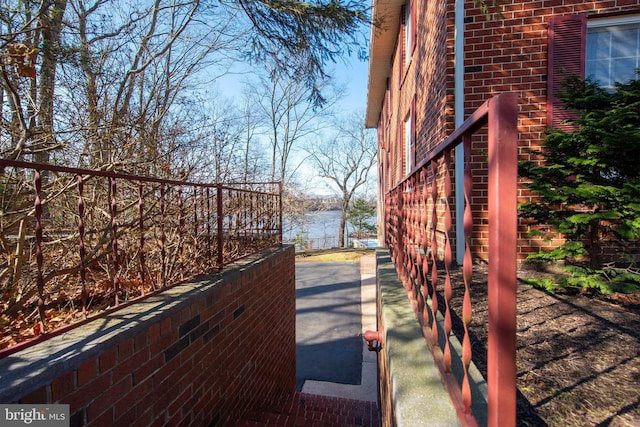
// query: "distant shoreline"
[[323, 209]]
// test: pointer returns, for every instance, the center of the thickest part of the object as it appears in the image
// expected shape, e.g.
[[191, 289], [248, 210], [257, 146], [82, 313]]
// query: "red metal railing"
[[76, 242], [419, 232]]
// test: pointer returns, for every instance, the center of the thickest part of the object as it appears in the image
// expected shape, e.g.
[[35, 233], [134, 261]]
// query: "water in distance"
[[319, 230]]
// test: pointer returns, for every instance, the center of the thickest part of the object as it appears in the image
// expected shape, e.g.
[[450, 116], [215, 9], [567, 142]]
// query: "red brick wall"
[[510, 54], [434, 88], [425, 77], [222, 351], [502, 54]]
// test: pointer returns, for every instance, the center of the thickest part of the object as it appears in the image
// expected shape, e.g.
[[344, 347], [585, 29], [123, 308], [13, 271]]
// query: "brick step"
[[308, 410]]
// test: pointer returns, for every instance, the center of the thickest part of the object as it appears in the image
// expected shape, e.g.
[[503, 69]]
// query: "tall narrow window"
[[388, 99], [389, 176], [407, 33], [410, 138], [398, 56], [409, 29]]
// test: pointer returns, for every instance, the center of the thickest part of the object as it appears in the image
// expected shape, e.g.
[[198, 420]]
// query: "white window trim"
[[610, 22]]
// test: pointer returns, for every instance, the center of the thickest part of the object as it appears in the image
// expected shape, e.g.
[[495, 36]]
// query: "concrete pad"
[[367, 388]]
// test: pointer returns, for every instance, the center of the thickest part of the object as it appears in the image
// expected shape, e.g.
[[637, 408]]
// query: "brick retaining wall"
[[196, 354]]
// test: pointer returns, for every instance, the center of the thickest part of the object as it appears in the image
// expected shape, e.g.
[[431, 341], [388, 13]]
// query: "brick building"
[[432, 63]]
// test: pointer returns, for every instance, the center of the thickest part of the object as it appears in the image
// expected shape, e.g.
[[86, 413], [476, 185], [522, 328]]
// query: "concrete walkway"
[[327, 330]]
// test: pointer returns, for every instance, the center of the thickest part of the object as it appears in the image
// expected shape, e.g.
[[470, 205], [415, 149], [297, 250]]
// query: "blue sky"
[[355, 75]]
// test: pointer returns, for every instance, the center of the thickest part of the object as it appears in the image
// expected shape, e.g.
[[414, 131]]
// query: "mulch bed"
[[578, 354]]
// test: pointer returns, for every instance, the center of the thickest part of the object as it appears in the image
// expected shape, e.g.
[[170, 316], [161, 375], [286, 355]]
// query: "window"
[[607, 49], [410, 139], [407, 145], [388, 99], [409, 21], [407, 34], [613, 49]]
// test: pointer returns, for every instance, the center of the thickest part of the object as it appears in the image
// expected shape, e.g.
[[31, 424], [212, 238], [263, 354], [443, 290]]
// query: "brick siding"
[[501, 55], [227, 345], [510, 54]]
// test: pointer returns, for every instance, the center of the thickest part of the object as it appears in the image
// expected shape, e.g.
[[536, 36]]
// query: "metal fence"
[[419, 231], [77, 242]]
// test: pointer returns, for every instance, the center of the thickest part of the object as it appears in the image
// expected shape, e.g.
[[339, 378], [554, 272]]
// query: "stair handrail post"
[[502, 276]]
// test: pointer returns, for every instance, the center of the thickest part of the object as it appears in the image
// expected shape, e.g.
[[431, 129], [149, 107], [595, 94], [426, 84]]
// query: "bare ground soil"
[[578, 354]]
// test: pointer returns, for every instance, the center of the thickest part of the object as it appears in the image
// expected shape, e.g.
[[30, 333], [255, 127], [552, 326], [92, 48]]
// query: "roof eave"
[[386, 13]]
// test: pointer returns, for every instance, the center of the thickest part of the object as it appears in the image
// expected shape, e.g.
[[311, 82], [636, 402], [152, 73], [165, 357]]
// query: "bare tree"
[[227, 147], [255, 165], [135, 73], [30, 38], [290, 115], [128, 66], [116, 84], [345, 160]]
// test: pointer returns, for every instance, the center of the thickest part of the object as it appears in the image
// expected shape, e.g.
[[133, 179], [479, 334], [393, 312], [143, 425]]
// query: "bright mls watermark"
[[34, 415]]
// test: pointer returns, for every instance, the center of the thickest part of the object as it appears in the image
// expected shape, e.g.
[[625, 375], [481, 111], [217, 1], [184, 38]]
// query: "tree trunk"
[[51, 28], [91, 93], [594, 248], [343, 222]]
